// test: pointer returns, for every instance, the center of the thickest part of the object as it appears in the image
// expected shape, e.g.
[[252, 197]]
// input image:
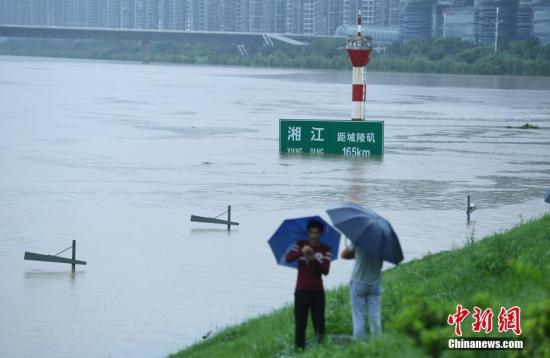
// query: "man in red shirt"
[[313, 262]]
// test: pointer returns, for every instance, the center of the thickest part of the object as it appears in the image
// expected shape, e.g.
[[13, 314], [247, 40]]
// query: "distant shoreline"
[[440, 57]]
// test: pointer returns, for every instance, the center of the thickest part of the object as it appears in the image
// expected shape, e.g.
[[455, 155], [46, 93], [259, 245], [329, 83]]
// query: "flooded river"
[[118, 156]]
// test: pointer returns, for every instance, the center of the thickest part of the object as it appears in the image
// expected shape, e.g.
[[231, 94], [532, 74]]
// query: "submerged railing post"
[[74, 256], [470, 208], [216, 220], [56, 258], [229, 218]]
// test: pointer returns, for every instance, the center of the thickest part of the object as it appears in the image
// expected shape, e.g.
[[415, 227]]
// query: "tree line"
[[526, 57]]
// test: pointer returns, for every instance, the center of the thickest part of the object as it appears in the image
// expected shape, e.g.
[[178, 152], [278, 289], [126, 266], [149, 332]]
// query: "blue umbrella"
[[547, 196], [368, 231], [293, 230]]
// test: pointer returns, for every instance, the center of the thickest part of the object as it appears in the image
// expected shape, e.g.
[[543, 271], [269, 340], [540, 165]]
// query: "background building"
[[416, 20], [507, 17], [459, 22], [541, 21], [524, 21], [470, 20]]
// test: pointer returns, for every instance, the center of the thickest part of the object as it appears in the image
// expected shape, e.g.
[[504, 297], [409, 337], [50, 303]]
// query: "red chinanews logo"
[[508, 320]]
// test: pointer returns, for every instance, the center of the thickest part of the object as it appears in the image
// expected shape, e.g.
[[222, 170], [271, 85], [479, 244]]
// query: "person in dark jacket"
[[313, 262]]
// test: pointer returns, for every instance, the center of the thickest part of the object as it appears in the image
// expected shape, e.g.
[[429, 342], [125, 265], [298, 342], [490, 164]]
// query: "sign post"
[[341, 137]]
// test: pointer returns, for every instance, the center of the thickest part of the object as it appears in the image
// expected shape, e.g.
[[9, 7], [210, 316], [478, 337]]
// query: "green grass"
[[506, 269]]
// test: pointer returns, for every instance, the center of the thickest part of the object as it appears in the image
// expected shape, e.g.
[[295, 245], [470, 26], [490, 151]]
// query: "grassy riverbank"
[[505, 269], [527, 57]]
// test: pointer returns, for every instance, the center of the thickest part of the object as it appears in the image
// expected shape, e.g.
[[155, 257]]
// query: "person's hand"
[[307, 250], [348, 254]]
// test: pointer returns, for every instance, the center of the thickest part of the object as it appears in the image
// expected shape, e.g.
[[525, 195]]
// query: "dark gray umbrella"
[[368, 231]]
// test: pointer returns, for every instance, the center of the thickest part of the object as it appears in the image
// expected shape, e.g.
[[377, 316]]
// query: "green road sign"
[[343, 137]]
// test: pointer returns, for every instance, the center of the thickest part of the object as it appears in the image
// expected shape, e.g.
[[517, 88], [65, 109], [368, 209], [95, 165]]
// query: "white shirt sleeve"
[[351, 246]]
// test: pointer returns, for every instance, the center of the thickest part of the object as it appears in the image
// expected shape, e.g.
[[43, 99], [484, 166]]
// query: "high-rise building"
[[541, 21], [374, 12], [320, 17], [294, 18], [114, 13], [19, 12], [242, 15], [524, 21], [506, 15], [211, 15], [416, 22], [334, 16], [173, 14], [256, 15], [227, 16], [394, 10], [458, 22], [308, 16]]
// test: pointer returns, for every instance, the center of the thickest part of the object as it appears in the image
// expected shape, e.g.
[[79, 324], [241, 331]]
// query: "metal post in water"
[[74, 256], [229, 217], [468, 208]]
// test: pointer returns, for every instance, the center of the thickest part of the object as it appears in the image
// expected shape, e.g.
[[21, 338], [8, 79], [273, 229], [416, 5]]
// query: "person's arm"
[[348, 253], [325, 263], [321, 262], [294, 253]]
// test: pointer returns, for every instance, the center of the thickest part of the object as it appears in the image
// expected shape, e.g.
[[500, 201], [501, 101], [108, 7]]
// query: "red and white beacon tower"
[[359, 48]]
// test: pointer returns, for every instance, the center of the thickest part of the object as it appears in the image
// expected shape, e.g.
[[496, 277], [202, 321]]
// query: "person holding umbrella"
[[313, 261], [307, 244], [373, 241], [365, 290]]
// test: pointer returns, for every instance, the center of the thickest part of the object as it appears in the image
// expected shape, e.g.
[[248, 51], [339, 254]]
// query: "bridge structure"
[[147, 36]]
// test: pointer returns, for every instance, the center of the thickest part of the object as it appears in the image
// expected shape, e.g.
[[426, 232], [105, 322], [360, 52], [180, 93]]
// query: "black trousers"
[[304, 302]]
